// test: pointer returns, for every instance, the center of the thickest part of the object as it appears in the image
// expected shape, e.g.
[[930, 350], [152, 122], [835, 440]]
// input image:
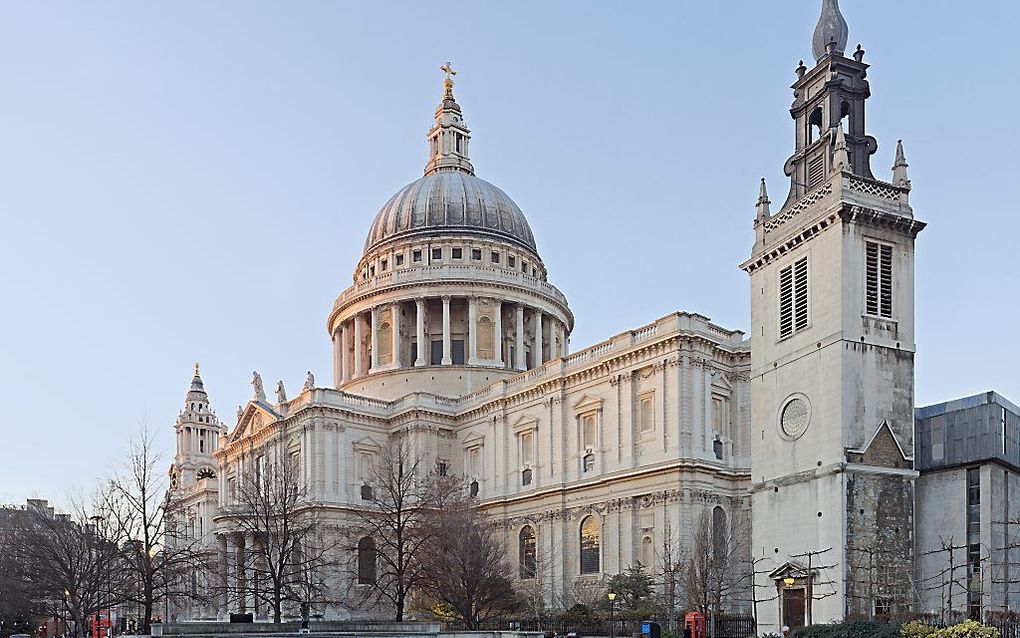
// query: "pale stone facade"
[[451, 338]]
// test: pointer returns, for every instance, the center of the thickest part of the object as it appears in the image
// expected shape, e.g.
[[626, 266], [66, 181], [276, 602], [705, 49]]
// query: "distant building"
[[968, 454]]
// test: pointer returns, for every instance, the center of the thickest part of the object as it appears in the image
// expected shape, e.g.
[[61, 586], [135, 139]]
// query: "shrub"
[[849, 630], [967, 629], [916, 629]]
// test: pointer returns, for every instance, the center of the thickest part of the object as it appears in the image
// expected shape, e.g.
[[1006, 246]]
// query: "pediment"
[[367, 444], [588, 402], [474, 440], [883, 449], [255, 416], [525, 423], [790, 569]]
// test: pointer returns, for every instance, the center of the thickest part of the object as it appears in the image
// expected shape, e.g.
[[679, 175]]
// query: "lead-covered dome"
[[450, 200]]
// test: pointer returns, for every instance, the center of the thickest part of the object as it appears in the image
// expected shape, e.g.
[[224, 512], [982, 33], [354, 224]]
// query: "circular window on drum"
[[795, 416]]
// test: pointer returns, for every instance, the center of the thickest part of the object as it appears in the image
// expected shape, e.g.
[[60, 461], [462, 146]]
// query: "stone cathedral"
[[796, 439]]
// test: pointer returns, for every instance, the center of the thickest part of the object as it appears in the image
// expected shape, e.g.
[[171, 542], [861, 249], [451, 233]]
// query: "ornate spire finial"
[[448, 82], [196, 369], [840, 155], [832, 31], [899, 169], [762, 206]]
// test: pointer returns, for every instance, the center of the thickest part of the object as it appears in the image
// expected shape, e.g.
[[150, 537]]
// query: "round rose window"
[[795, 417]]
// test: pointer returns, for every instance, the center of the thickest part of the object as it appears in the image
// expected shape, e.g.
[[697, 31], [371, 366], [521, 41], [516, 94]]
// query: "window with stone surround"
[[646, 412], [437, 253], [878, 279], [589, 431], [590, 545], [527, 552], [398, 260], [457, 252], [793, 298], [416, 255], [366, 561], [476, 254]]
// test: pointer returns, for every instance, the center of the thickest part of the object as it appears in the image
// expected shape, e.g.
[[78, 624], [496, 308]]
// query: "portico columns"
[[395, 321], [345, 353], [421, 360], [472, 358], [520, 362], [498, 336], [538, 339], [447, 358], [375, 339], [359, 364]]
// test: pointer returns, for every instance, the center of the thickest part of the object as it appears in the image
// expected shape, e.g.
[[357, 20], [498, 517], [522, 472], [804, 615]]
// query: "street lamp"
[[612, 608]]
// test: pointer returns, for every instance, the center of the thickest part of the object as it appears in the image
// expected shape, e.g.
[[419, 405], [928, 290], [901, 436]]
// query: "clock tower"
[[832, 378]]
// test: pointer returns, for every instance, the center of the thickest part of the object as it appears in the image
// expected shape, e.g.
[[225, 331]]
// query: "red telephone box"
[[695, 620]]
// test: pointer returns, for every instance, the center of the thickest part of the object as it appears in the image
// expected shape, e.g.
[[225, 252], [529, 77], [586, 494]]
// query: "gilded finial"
[[448, 82], [196, 368]]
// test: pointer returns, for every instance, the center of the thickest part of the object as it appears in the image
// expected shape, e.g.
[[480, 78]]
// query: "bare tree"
[[292, 550], [713, 573], [671, 558], [399, 500], [161, 556], [17, 606], [68, 558], [465, 566]]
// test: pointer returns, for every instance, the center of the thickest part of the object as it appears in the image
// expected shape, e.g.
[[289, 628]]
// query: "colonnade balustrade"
[[446, 331]]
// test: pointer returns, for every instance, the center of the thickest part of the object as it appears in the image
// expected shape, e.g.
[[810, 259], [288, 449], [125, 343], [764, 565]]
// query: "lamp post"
[[612, 608]]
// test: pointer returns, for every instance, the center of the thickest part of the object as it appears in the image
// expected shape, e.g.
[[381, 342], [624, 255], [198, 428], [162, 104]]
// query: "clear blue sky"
[[192, 181]]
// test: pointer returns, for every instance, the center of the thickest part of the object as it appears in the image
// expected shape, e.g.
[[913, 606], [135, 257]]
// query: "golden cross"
[[448, 69]]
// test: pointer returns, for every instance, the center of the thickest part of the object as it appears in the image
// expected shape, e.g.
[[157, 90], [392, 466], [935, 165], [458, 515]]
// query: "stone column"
[[375, 340], [520, 363], [359, 364], [538, 339], [395, 321], [472, 357], [447, 355], [421, 359], [223, 549], [498, 336], [345, 353], [338, 346]]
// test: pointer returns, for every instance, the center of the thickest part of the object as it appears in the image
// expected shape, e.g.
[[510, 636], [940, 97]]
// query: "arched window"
[[366, 561], [485, 338], [526, 550], [385, 343], [720, 537], [591, 542]]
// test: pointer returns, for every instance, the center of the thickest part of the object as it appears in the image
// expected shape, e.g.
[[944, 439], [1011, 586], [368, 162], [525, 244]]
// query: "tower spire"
[[899, 169], [449, 136], [762, 208], [832, 29]]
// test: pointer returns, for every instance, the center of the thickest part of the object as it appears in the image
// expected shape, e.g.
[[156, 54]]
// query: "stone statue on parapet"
[[256, 384], [281, 392], [309, 381]]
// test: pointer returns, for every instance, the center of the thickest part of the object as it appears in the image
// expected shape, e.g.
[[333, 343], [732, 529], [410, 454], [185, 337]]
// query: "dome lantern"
[[449, 136]]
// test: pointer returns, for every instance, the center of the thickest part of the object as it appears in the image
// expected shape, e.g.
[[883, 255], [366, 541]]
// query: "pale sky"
[[193, 181]]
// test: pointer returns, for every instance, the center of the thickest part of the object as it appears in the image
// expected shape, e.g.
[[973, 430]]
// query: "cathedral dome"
[[446, 201]]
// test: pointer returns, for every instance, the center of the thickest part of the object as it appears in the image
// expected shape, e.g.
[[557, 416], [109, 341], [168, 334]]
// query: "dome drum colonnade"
[[450, 276]]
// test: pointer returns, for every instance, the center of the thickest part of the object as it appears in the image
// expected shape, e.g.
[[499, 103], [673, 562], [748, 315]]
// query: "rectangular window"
[[398, 260], [495, 257], [442, 468], [511, 261], [383, 265], [476, 254], [588, 431], [527, 448], [457, 351], [647, 414], [437, 253], [458, 253], [524, 267], [793, 298], [436, 357], [474, 462], [416, 255], [816, 171], [878, 280]]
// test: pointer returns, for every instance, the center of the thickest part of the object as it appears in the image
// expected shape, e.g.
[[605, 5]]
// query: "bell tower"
[[832, 357]]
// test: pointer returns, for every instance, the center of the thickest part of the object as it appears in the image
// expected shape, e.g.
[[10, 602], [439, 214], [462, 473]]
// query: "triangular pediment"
[[525, 423], [790, 569], [883, 449], [588, 402], [255, 416], [367, 444], [474, 439]]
